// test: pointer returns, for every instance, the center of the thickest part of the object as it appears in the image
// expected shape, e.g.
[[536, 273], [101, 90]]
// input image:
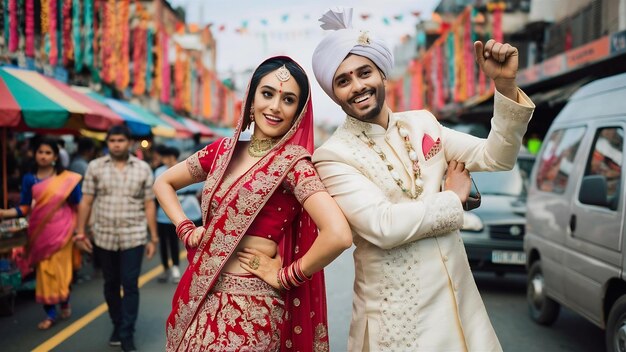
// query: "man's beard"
[[371, 114], [120, 157]]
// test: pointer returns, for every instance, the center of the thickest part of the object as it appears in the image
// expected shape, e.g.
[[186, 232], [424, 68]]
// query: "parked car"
[[576, 225], [493, 233]]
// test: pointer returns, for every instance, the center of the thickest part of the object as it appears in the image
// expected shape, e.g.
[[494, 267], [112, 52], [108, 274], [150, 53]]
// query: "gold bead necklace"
[[404, 133]]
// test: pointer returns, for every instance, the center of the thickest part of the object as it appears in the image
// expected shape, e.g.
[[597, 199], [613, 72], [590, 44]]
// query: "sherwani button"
[[445, 258]]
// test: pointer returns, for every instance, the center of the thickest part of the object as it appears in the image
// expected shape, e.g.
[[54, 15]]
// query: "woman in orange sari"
[[49, 197], [254, 280]]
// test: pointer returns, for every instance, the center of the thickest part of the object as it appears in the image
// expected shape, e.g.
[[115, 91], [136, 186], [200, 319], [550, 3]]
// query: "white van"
[[575, 231]]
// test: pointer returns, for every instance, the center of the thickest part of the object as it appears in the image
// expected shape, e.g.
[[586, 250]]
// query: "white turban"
[[334, 48]]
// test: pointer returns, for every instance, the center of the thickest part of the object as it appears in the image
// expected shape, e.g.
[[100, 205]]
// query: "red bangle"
[[184, 228], [282, 279], [299, 273]]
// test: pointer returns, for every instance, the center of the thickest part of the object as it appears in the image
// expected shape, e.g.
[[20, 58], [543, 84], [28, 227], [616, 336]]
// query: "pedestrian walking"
[[168, 240], [50, 195], [117, 191]]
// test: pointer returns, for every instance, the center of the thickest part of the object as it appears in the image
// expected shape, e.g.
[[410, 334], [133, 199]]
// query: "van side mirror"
[[593, 191]]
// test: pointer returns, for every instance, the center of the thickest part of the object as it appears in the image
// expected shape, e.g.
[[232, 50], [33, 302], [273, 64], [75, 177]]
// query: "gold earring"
[[252, 112]]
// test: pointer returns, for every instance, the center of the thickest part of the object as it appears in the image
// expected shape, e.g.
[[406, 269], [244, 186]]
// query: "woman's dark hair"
[[54, 145], [271, 65]]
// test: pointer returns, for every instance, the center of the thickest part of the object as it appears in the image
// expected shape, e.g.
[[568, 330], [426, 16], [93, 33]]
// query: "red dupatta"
[[305, 327]]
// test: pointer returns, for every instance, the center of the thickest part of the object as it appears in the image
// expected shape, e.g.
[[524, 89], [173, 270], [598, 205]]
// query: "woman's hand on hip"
[[259, 264], [195, 237]]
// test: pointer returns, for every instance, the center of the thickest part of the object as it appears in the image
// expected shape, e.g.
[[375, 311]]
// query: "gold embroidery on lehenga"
[[248, 311], [236, 222], [320, 340]]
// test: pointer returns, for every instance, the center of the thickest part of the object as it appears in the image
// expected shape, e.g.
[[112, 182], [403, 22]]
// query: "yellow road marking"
[[73, 328]]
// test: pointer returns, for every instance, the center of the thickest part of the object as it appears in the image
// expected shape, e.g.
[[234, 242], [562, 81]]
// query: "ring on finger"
[[254, 262]]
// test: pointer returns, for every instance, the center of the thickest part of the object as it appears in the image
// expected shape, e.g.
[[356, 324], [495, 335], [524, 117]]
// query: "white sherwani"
[[413, 288]]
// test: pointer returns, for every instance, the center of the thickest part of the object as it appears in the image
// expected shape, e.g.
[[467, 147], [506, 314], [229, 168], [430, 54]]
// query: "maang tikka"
[[283, 74]]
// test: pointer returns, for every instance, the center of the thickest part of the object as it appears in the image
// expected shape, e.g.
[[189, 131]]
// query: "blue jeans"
[[122, 268]]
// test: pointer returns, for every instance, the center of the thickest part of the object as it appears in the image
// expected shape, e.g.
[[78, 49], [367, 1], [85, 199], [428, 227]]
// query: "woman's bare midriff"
[[263, 245]]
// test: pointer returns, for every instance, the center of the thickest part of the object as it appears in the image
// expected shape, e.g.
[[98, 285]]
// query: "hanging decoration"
[[206, 94], [470, 65], [53, 53], [76, 37], [140, 56], [68, 47], [29, 42], [155, 90], [13, 26], [123, 42], [4, 19], [459, 72], [60, 30], [149, 55], [108, 42], [497, 10], [89, 24], [165, 68], [179, 78], [139, 62]]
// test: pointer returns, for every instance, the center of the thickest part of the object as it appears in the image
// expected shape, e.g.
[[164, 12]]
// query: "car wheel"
[[616, 327], [542, 309]]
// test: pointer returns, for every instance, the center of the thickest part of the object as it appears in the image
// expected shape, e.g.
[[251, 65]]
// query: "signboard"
[[594, 51], [618, 42]]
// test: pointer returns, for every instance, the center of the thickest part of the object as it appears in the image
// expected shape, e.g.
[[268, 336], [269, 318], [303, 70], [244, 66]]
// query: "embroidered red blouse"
[[279, 212]]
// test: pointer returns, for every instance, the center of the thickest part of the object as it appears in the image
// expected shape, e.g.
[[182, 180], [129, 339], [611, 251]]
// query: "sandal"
[[45, 324], [66, 312]]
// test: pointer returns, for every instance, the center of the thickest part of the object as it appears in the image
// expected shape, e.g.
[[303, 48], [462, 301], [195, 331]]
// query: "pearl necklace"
[[259, 147], [404, 133]]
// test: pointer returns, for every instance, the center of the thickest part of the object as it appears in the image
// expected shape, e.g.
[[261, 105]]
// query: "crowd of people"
[[274, 212]]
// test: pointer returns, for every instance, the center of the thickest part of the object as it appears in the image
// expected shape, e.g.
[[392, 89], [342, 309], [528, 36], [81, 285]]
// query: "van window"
[[557, 159], [605, 160]]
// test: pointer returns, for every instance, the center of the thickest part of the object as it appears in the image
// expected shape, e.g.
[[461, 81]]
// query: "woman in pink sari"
[[49, 197], [254, 280]]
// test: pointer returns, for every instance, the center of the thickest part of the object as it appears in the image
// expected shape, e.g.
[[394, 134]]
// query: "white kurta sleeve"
[[499, 150], [381, 222]]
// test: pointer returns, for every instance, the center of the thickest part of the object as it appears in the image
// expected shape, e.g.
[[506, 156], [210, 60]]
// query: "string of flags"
[[244, 26]]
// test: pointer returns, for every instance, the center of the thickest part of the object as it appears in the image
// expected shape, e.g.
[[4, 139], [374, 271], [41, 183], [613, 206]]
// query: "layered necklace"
[[259, 147], [404, 133]]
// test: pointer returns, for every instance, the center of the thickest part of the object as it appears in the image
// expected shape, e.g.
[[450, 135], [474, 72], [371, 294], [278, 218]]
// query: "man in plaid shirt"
[[118, 188]]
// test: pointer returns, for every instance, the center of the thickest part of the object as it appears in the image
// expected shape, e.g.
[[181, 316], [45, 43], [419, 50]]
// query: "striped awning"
[[30, 100]]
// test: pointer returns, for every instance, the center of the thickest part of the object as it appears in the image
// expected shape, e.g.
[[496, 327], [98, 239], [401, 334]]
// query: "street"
[[89, 327]]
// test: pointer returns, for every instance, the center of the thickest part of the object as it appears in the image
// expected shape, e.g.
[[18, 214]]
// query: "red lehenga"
[[216, 311]]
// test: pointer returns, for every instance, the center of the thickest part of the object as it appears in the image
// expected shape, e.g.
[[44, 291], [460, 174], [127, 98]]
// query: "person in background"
[[85, 153], [156, 159], [64, 156], [118, 187], [49, 198], [166, 229]]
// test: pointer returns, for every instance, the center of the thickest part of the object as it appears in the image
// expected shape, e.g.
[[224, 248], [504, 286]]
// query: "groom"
[[413, 287]]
